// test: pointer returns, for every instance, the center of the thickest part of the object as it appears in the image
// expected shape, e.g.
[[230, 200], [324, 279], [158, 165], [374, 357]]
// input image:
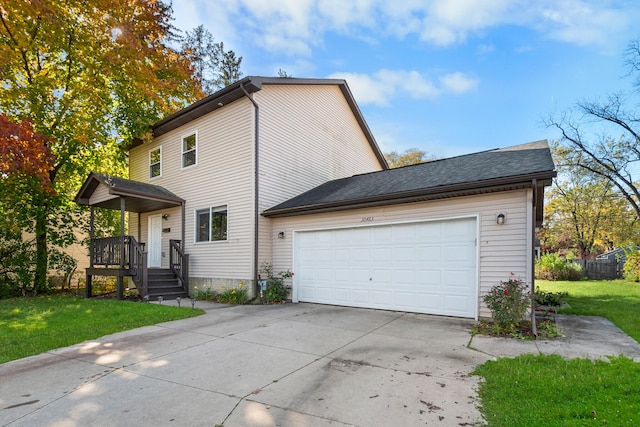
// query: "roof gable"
[[494, 170], [138, 196], [249, 85]]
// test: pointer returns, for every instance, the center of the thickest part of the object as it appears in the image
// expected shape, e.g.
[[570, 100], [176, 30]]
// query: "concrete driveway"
[[283, 365]]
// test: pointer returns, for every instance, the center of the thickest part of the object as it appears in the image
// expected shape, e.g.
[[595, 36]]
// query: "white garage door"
[[424, 267]]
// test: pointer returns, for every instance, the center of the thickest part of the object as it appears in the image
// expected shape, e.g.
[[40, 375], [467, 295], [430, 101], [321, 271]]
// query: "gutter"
[[256, 189]]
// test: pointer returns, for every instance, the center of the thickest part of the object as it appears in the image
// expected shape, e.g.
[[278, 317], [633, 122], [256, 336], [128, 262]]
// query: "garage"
[[423, 267]]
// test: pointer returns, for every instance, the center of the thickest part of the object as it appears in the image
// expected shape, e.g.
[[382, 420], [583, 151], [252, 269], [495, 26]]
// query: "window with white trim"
[[189, 150], [211, 224], [155, 162]]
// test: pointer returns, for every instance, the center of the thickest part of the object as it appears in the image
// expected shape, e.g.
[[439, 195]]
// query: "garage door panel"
[[428, 253], [403, 232], [382, 276], [381, 297], [361, 296], [361, 254], [404, 300], [404, 255], [380, 254], [402, 277], [427, 267], [429, 232]]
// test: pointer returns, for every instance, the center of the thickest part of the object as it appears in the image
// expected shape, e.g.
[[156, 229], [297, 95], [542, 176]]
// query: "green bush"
[[632, 266], [554, 299], [226, 296], [17, 265], [551, 266], [276, 291], [508, 302], [205, 294], [232, 296]]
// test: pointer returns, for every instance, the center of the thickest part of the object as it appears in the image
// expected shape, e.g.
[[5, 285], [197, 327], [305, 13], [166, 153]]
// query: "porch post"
[[120, 279], [91, 236]]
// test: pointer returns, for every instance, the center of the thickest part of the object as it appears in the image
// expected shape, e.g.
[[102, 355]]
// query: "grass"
[[617, 300], [532, 390], [539, 390], [31, 326]]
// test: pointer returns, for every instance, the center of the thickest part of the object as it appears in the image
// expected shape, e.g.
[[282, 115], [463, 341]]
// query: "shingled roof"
[[488, 171], [139, 196]]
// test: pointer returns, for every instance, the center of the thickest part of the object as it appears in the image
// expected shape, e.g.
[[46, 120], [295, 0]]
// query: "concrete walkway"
[[284, 365]]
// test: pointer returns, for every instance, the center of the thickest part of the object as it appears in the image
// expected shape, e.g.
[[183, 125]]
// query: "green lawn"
[[617, 300], [31, 326], [538, 390]]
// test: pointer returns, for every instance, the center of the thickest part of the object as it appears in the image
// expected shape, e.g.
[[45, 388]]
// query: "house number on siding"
[[367, 219]]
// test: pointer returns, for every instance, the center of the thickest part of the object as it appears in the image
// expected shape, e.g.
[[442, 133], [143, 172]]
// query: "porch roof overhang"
[[106, 192]]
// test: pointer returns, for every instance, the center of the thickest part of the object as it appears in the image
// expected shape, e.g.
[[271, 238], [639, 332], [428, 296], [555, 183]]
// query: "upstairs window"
[[189, 150], [155, 162], [211, 224]]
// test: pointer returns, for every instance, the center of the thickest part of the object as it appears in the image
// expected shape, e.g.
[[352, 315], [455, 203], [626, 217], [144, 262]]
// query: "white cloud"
[[366, 89], [458, 82], [297, 27], [381, 87], [584, 23]]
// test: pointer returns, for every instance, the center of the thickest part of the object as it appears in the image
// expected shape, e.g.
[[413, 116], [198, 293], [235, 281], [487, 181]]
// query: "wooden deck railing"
[[138, 265], [122, 252], [108, 251], [179, 263]]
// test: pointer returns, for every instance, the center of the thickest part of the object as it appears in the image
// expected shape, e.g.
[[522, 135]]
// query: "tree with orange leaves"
[[23, 152], [79, 78]]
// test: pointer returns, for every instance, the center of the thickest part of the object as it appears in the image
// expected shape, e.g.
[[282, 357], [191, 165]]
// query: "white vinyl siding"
[[155, 162], [308, 136], [225, 145], [101, 194], [502, 249]]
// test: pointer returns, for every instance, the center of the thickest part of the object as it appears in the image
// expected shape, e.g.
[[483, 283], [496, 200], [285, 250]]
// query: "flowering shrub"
[[226, 296], [276, 291], [233, 296], [508, 302]]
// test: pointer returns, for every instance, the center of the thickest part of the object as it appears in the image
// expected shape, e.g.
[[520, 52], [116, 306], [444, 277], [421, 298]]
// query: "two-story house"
[[286, 171]]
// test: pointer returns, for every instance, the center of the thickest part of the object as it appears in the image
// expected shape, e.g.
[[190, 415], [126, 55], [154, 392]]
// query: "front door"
[[154, 245]]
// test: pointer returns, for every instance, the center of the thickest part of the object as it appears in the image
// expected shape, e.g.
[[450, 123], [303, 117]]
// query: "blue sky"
[[446, 76]]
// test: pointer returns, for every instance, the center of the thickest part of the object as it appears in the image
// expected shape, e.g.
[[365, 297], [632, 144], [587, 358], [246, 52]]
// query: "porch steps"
[[163, 282]]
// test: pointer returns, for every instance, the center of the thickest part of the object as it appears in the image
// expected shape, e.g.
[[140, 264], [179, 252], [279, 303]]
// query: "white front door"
[[154, 244]]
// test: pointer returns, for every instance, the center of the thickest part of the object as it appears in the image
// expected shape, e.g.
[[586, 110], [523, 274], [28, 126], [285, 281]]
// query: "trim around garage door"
[[428, 266]]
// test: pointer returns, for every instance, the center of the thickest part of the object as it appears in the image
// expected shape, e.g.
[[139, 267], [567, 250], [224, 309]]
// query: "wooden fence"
[[601, 269]]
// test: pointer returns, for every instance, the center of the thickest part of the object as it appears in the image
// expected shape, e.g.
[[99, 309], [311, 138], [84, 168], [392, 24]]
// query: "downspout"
[[256, 199], [534, 327], [183, 244]]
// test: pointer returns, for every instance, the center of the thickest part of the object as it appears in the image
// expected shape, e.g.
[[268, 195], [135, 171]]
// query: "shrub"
[[551, 266], [17, 266], [204, 294], [276, 291], [508, 302], [554, 299], [632, 266], [232, 296]]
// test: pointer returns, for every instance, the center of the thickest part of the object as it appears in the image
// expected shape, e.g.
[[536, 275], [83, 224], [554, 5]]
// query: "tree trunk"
[[42, 254]]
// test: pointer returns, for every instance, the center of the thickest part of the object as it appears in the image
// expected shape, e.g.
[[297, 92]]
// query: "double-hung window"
[[155, 162], [211, 224], [189, 150]]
